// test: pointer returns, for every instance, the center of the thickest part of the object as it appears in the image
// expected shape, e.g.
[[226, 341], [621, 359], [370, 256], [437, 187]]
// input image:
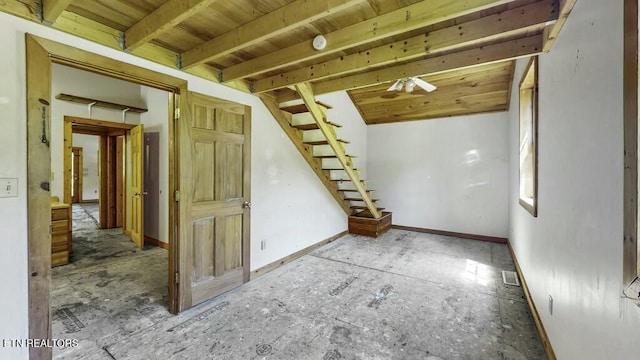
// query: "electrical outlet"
[[550, 305], [263, 244], [8, 188]]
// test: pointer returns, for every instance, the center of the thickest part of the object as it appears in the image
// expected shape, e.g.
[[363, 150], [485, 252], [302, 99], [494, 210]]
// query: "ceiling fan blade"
[[396, 86], [424, 85], [410, 84]]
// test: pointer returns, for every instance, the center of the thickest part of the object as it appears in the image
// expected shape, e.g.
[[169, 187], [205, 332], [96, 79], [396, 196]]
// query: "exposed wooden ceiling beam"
[[52, 9], [404, 19], [272, 24], [107, 36], [506, 50], [457, 36], [91, 30], [20, 9], [482, 55], [552, 31], [162, 19]]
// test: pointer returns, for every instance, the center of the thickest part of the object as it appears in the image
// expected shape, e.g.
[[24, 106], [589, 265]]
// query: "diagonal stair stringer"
[[305, 92], [283, 118]]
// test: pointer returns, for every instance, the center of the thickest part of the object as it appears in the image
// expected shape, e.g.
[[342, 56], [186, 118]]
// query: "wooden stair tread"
[[302, 108], [324, 142], [347, 180], [331, 156], [358, 199], [313, 126], [365, 208], [353, 190]]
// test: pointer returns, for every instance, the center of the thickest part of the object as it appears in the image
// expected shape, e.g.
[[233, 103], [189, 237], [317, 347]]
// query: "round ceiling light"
[[319, 42]]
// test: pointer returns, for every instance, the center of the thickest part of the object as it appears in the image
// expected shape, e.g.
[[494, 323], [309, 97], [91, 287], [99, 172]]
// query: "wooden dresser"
[[60, 233]]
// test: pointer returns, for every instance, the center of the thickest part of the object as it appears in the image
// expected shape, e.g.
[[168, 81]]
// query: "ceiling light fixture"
[[319, 42], [410, 83]]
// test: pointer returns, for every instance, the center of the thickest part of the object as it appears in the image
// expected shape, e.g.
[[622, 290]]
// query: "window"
[[529, 138]]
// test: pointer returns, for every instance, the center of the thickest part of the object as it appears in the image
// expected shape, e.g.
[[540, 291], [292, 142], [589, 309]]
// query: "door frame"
[[76, 184], [111, 169], [41, 53]]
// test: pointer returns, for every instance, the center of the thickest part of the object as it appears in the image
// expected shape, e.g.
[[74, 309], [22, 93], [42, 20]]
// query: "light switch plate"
[[8, 187]]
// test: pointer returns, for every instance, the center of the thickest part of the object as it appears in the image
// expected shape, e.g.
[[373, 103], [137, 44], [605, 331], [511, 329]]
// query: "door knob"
[[138, 194], [246, 205]]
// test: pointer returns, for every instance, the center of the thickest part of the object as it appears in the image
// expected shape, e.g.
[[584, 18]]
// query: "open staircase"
[[316, 139]]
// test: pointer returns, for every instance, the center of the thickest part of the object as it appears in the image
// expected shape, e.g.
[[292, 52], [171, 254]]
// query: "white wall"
[[291, 208], [13, 211], [446, 174], [90, 178], [573, 250], [157, 120], [81, 83]]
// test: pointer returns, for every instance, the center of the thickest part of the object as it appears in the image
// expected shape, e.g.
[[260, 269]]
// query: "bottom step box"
[[368, 226]]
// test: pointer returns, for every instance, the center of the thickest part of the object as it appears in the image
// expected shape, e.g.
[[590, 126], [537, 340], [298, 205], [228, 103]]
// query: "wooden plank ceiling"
[[265, 46], [479, 89]]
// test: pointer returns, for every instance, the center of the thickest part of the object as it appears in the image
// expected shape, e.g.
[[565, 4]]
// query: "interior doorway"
[[102, 180], [41, 54], [111, 272]]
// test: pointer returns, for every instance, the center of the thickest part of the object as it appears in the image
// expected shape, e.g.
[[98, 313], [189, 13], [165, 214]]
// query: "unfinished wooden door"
[[137, 186], [214, 156], [76, 170]]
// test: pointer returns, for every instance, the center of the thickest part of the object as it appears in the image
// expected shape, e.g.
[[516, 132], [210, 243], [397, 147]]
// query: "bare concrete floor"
[[402, 296]]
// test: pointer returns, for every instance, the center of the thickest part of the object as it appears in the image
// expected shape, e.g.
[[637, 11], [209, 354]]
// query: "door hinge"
[[177, 278], [177, 114], [176, 196]]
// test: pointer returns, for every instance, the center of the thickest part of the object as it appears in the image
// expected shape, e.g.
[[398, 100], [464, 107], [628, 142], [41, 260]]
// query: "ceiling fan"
[[410, 83]]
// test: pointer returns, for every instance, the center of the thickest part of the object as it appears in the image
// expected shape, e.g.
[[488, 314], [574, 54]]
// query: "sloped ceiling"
[[473, 90]]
